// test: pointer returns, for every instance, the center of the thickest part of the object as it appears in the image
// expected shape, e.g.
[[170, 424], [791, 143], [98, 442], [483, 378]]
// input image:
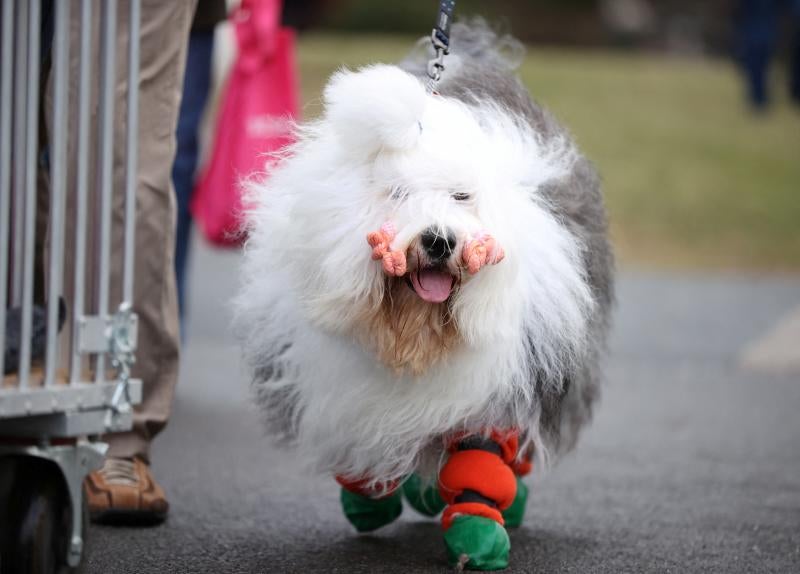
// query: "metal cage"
[[65, 381]]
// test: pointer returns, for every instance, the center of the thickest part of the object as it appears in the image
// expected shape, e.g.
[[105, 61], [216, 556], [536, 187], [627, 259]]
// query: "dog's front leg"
[[478, 483]]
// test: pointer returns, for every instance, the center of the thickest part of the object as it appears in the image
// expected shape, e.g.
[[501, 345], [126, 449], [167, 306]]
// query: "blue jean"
[[758, 30], [794, 72], [196, 86]]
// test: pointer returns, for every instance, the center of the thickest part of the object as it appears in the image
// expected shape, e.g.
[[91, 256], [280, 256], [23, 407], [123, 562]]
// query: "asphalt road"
[[691, 465]]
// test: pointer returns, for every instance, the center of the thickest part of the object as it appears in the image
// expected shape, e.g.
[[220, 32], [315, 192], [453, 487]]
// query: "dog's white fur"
[[385, 149]]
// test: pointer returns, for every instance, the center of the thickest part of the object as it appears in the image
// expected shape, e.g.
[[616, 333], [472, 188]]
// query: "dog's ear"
[[376, 107]]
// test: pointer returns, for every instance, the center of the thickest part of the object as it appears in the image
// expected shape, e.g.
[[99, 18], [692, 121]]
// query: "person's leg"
[[196, 86], [756, 65], [164, 40], [757, 31], [794, 73], [124, 489]]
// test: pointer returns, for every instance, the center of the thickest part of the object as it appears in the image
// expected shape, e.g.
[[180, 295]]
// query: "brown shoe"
[[124, 492]]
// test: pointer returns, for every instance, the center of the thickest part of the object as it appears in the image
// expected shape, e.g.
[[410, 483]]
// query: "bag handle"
[[257, 23]]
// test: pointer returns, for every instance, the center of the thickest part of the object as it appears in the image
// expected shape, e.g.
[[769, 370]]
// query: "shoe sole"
[[117, 517]]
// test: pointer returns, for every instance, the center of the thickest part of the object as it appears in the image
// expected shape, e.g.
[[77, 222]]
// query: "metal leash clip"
[[122, 347], [436, 64], [440, 38]]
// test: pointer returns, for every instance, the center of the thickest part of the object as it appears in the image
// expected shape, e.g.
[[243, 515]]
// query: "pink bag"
[[258, 105]]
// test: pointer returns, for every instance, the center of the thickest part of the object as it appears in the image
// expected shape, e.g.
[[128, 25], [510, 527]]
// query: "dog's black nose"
[[438, 246]]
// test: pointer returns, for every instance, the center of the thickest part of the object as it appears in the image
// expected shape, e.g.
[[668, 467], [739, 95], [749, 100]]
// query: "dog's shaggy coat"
[[352, 367]]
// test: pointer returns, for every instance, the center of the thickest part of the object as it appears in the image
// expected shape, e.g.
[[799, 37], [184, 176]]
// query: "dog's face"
[[456, 186], [438, 195]]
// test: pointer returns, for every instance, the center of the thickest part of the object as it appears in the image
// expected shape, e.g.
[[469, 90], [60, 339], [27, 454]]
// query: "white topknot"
[[377, 107]]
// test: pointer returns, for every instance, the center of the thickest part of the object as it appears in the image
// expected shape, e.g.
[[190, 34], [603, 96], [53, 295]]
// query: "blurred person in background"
[[758, 27], [757, 31], [794, 79], [196, 88]]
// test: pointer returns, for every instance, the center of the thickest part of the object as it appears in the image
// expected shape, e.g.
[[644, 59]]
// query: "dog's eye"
[[461, 196]]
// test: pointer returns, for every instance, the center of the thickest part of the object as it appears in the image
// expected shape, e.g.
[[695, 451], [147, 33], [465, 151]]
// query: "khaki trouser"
[[164, 37]]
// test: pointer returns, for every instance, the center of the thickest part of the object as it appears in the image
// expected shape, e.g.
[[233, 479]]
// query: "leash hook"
[[440, 38]]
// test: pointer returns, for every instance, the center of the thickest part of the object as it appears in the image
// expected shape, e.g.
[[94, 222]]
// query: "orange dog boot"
[[478, 485]]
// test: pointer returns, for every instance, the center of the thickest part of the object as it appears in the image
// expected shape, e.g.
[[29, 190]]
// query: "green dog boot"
[[424, 498], [368, 514], [514, 514], [477, 543]]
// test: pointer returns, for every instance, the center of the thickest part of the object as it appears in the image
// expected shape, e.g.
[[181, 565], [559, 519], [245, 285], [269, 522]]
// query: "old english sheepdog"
[[426, 293]]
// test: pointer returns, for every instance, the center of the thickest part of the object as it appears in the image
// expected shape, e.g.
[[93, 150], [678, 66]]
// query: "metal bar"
[[131, 159], [63, 398], [20, 105], [84, 97], [31, 141], [109, 41], [65, 424], [5, 163], [58, 188]]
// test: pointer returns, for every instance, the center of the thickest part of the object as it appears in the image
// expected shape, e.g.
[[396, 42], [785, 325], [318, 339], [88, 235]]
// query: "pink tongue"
[[431, 285]]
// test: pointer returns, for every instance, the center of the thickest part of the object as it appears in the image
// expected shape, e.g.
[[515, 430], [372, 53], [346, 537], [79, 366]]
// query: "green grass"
[[692, 179]]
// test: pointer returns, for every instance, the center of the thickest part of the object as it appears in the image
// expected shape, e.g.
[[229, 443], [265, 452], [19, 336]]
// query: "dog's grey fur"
[[481, 69]]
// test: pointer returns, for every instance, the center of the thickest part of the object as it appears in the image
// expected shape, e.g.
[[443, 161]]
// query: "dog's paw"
[[422, 496], [480, 251], [476, 543], [368, 514], [513, 515]]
